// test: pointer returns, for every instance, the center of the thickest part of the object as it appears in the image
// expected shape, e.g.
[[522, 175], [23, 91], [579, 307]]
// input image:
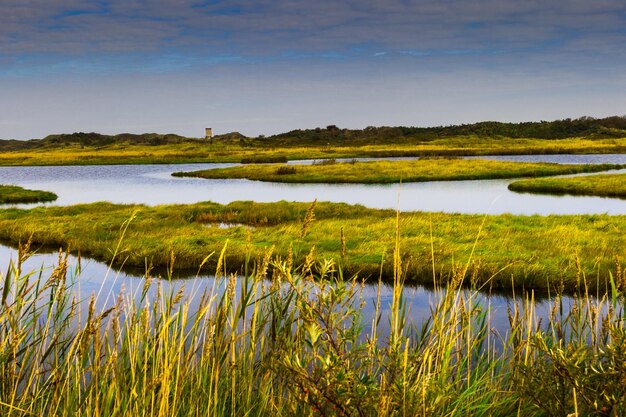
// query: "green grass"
[[385, 172], [199, 151], [12, 194], [505, 250], [283, 341], [606, 185]]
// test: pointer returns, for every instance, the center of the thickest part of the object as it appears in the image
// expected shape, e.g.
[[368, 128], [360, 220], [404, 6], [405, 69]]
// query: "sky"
[[269, 66]]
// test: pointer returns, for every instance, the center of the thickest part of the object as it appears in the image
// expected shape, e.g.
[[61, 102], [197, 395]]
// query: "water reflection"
[[98, 279]]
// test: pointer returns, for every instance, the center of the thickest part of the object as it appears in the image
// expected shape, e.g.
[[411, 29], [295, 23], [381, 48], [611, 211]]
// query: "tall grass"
[[285, 340]]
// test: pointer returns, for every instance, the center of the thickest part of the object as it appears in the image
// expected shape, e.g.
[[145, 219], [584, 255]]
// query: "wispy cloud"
[[269, 28]]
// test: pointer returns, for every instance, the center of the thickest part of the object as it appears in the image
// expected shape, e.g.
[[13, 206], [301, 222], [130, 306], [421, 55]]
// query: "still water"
[[96, 278], [153, 185]]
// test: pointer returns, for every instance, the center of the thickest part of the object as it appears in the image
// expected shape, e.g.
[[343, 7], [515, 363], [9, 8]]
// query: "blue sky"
[[269, 66]]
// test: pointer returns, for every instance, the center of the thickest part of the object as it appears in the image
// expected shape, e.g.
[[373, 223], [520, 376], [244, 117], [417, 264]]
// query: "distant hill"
[[586, 127], [229, 137], [93, 139]]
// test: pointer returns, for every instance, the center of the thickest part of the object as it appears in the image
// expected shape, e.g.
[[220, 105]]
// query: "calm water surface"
[[153, 185], [96, 278]]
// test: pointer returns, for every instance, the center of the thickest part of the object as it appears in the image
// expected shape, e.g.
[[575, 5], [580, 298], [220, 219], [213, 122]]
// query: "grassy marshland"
[[297, 346], [506, 250], [200, 151], [605, 185], [12, 194], [384, 172]]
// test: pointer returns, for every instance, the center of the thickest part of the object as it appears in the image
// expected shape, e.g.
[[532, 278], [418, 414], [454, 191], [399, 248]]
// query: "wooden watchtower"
[[208, 133]]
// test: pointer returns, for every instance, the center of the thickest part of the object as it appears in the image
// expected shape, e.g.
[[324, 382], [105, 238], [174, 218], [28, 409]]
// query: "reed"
[[291, 341]]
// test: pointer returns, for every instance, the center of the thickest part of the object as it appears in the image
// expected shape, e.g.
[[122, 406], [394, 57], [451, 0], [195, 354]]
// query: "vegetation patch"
[[384, 172], [286, 170], [497, 251], [330, 161], [264, 159], [605, 185], [12, 194]]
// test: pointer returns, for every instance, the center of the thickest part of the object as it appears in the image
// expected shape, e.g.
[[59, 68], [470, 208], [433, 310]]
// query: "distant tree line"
[[587, 127], [557, 129]]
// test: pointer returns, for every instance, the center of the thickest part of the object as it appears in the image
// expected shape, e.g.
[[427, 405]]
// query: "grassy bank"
[[200, 151], [502, 251], [297, 346], [12, 194], [385, 172], [609, 185]]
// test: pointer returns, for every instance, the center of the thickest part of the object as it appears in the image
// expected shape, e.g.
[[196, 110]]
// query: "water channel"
[[154, 185]]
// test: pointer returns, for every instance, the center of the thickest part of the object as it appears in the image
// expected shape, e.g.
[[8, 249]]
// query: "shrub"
[[285, 170]]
